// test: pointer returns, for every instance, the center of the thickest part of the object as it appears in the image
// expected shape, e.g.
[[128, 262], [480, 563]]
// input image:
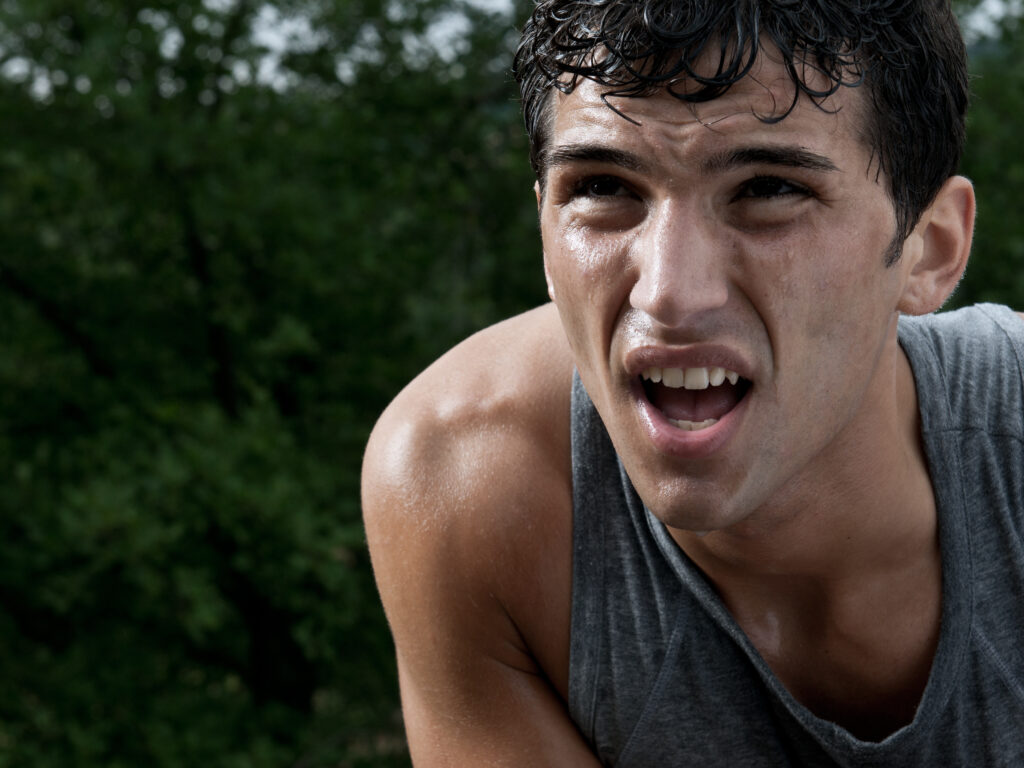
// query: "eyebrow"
[[569, 154], [790, 157], [786, 156]]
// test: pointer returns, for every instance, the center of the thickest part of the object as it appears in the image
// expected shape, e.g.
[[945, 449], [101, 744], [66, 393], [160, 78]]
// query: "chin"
[[699, 518]]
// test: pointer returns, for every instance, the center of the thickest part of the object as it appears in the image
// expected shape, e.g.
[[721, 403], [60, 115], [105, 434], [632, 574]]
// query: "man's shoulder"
[[467, 491], [978, 330], [496, 403], [969, 367], [967, 318], [475, 450]]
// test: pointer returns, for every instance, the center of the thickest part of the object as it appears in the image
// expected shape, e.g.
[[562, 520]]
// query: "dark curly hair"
[[908, 54]]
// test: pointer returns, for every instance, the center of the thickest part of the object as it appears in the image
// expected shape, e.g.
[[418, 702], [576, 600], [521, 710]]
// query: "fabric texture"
[[661, 674]]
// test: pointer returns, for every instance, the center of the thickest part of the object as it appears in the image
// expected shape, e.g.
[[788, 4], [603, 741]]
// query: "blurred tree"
[[994, 161], [229, 232]]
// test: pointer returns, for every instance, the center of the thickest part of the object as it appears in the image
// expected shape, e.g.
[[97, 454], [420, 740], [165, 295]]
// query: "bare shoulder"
[[483, 433], [467, 505], [485, 415], [513, 376]]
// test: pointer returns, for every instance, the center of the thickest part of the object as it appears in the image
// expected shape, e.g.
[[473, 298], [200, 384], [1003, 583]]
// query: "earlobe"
[[944, 243]]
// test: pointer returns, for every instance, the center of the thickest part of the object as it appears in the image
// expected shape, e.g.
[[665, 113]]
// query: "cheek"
[[790, 286], [816, 299], [582, 255], [823, 285], [584, 264]]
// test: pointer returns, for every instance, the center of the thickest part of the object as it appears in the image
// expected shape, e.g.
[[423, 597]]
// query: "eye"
[[600, 186], [768, 187]]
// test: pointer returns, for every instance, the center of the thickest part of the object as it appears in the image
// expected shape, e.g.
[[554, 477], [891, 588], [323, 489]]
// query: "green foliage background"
[[210, 285]]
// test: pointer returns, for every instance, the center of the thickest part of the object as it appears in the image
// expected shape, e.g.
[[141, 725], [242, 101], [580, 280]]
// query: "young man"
[[775, 516]]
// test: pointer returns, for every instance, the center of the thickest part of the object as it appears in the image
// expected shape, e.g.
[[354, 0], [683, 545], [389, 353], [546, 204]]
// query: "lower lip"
[[673, 441]]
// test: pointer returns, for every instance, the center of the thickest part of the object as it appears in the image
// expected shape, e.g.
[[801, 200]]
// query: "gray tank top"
[[661, 675]]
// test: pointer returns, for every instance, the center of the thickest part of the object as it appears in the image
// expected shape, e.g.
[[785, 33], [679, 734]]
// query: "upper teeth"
[[690, 378]]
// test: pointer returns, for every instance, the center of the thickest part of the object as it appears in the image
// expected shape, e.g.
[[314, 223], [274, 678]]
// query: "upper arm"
[[469, 562]]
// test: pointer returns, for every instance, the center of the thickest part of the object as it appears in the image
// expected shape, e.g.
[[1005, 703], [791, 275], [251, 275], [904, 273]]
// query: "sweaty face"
[[722, 283]]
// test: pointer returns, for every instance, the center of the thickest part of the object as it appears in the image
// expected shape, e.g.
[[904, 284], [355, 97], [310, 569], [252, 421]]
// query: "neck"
[[837, 583], [865, 506]]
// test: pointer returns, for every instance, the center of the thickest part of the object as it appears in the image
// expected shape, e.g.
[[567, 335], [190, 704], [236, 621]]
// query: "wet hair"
[[908, 54]]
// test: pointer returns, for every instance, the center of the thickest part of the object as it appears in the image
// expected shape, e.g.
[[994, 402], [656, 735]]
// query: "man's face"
[[704, 243]]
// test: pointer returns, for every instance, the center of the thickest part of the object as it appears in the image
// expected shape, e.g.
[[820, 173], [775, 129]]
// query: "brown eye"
[[601, 186], [767, 187]]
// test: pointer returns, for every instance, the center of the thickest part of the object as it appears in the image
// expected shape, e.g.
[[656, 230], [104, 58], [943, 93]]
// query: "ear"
[[547, 273], [938, 248]]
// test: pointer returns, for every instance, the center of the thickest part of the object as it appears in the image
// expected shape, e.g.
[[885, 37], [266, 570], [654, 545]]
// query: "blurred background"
[[230, 232]]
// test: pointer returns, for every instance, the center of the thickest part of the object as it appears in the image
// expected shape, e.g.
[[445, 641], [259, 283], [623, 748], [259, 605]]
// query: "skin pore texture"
[[687, 237]]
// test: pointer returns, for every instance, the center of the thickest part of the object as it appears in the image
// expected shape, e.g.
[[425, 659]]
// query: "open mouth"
[[693, 399]]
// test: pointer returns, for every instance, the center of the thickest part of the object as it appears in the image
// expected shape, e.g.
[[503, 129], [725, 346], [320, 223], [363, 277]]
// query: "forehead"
[[748, 111]]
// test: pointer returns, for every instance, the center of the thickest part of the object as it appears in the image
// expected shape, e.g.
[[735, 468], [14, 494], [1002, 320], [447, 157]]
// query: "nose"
[[682, 262]]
